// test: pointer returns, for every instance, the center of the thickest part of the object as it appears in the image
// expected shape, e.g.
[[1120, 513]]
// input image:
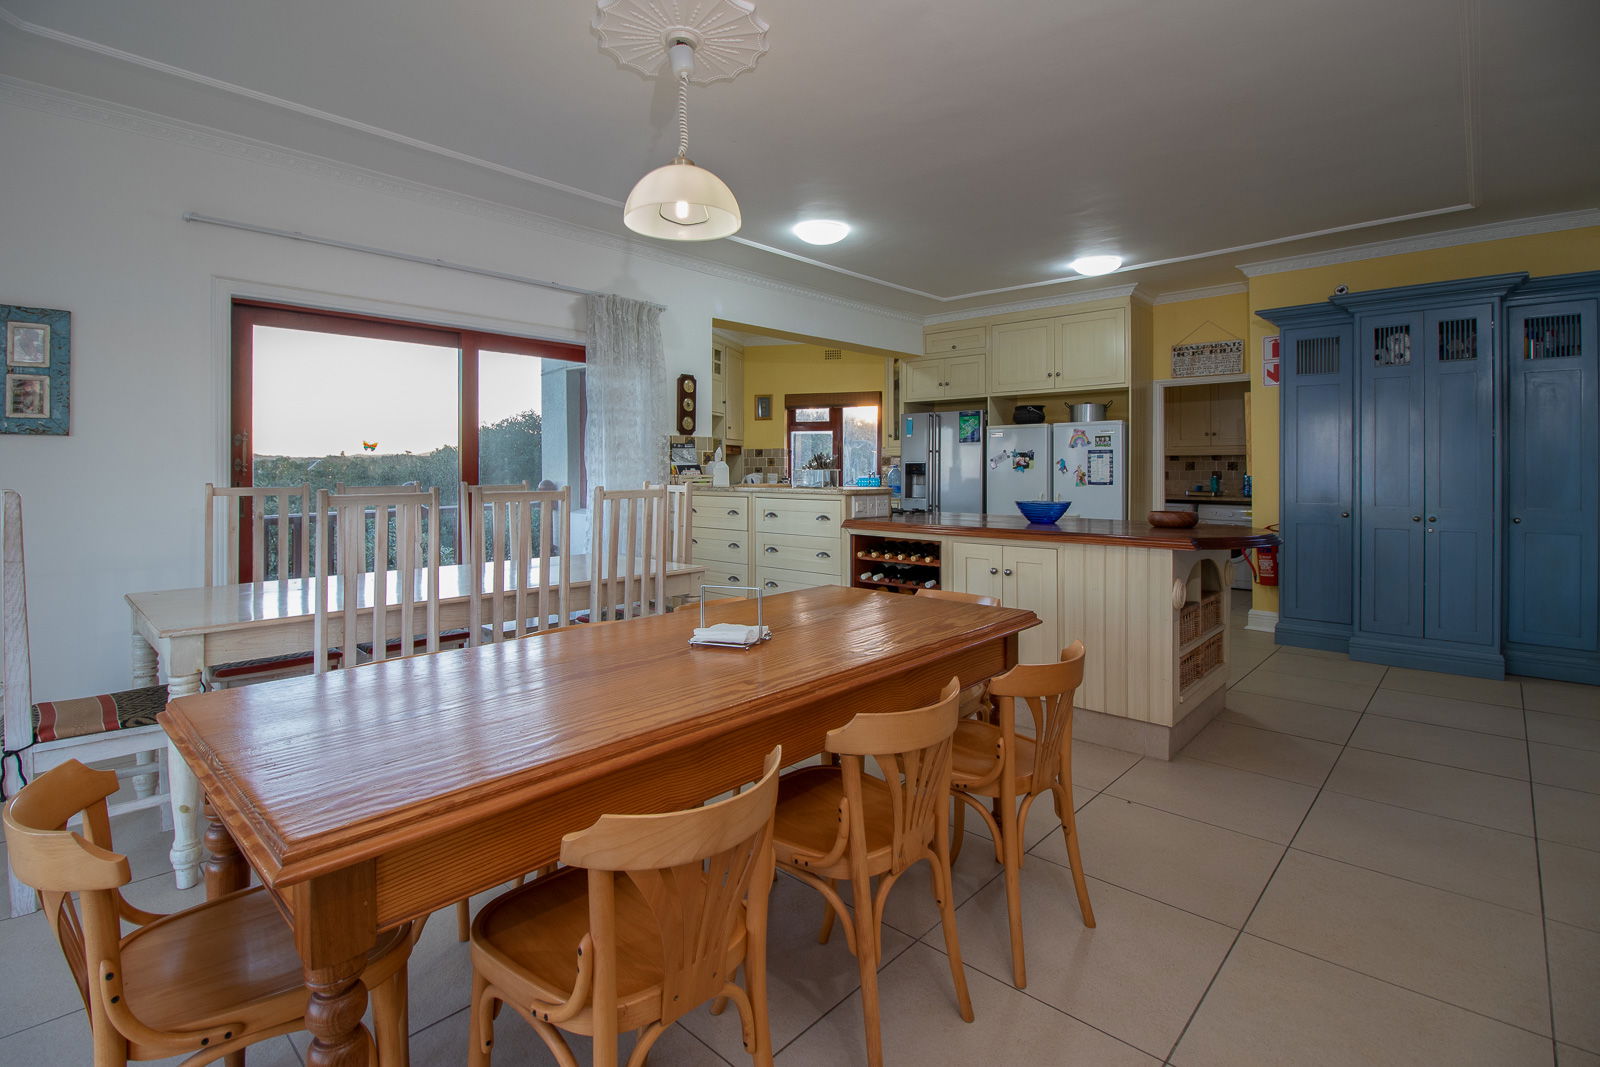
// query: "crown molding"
[[1231, 289], [1082, 297], [148, 124], [1492, 231]]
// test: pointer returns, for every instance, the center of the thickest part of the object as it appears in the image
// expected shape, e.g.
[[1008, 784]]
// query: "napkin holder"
[[731, 588]]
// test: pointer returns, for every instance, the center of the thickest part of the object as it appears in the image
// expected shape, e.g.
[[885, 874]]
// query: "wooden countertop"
[[1068, 530]]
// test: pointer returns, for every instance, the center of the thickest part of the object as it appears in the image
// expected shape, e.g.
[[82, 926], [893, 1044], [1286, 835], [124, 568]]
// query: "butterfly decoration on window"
[[370, 446]]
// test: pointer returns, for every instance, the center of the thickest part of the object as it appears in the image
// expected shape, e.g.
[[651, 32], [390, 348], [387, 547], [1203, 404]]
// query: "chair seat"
[[974, 753], [526, 943], [807, 820], [270, 666], [56, 720], [198, 968]]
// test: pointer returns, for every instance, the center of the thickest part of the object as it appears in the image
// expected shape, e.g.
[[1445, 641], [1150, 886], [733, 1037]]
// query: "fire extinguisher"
[[1265, 565]]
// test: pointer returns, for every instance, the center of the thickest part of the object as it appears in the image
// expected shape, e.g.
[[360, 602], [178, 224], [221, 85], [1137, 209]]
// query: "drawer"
[[966, 339], [725, 574], [715, 545], [807, 516], [721, 512], [815, 555], [776, 580]]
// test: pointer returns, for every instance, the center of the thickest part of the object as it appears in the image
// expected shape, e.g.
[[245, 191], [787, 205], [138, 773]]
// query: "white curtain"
[[628, 402]]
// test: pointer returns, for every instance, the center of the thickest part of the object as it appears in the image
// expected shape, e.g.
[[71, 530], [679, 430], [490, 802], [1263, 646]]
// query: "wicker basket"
[[1210, 612], [1199, 662], [1189, 624]]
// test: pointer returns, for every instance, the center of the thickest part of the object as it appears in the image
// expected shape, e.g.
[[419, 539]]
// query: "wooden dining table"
[[366, 798], [180, 632]]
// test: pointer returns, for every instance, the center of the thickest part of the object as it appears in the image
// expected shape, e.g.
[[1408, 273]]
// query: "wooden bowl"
[[1174, 520]]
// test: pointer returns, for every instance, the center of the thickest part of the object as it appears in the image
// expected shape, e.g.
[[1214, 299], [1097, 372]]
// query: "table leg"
[[334, 929], [333, 1016], [184, 788], [145, 662], [225, 868]]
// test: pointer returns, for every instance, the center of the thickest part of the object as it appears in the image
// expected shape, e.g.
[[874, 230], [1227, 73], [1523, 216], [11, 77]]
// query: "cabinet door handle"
[[770, 550], [1008, 572], [1416, 518], [996, 570], [1344, 514], [1517, 520]]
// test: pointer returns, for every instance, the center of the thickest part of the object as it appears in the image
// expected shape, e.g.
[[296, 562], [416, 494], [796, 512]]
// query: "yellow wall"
[[1539, 254], [777, 370], [1192, 322]]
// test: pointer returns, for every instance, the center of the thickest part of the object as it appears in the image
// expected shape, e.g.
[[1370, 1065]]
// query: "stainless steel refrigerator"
[[1018, 466], [1091, 468], [942, 457]]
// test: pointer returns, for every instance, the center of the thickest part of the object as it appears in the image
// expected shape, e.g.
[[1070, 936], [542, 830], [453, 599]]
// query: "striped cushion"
[[267, 664], [448, 640], [54, 720]]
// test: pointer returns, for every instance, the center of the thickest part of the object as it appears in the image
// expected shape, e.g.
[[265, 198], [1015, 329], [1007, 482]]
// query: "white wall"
[[90, 221]]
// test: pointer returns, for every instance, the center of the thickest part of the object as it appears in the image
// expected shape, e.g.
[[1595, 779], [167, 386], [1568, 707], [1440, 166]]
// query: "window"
[[833, 437], [327, 398]]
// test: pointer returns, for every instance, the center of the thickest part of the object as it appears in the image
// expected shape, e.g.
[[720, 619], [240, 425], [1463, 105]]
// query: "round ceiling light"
[[1092, 265], [821, 231]]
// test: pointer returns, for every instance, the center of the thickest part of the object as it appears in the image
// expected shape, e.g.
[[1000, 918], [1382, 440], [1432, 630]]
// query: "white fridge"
[[1090, 468], [1017, 462]]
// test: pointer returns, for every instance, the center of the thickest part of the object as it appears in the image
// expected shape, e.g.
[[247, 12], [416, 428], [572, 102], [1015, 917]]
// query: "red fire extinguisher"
[[1265, 565]]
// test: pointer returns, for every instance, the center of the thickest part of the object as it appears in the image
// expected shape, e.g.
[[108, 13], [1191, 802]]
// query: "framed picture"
[[38, 365], [27, 344], [27, 396], [763, 408]]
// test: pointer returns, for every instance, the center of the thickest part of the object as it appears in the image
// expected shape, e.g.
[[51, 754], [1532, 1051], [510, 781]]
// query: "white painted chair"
[[680, 521], [628, 561], [506, 532], [111, 726]]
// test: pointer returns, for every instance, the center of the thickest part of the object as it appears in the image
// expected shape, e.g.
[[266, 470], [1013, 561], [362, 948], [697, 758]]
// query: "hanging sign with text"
[[1211, 357]]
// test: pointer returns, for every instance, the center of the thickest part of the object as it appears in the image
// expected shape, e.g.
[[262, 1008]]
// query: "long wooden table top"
[[317, 774]]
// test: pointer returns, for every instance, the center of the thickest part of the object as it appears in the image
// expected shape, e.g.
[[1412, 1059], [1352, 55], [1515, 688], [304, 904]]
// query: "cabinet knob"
[[994, 570], [1416, 518], [1517, 520], [1433, 518], [1008, 572], [1344, 514]]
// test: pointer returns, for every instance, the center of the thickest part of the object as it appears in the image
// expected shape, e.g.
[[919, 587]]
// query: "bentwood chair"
[[628, 562], [841, 823], [209, 980], [516, 543], [993, 763], [650, 918], [37, 737]]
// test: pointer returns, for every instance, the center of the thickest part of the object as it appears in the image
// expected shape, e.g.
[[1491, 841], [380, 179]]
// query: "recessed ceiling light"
[[821, 231], [1092, 265]]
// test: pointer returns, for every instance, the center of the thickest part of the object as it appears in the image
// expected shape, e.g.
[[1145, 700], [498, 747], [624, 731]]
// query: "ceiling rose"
[[727, 35]]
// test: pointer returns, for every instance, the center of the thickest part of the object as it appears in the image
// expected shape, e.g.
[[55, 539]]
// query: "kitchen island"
[[1149, 603]]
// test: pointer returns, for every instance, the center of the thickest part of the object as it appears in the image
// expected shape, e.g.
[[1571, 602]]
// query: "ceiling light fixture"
[[822, 231], [1092, 265], [680, 201]]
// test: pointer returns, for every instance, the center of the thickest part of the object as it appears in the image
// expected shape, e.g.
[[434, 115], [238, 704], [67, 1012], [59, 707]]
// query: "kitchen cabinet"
[[1205, 419], [719, 537], [797, 542], [727, 392], [1066, 353], [1022, 577], [933, 378], [960, 339]]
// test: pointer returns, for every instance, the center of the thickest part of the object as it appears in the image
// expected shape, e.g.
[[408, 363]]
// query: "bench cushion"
[[54, 720]]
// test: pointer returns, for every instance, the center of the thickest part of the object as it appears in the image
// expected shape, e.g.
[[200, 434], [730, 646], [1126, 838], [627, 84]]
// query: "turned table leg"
[[333, 1017], [225, 868]]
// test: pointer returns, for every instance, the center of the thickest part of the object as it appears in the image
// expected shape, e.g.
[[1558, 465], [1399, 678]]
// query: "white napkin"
[[729, 633]]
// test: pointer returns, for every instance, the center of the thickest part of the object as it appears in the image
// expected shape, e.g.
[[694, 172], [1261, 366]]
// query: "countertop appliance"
[[942, 461], [1090, 468], [1017, 462]]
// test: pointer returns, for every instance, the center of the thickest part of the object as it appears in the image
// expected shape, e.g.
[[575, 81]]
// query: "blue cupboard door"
[[1553, 476], [1318, 475], [1388, 347], [1460, 571]]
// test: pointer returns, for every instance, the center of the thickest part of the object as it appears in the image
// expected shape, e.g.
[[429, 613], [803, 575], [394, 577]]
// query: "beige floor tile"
[[920, 1025], [1137, 975], [1575, 985], [1286, 716], [1505, 756], [44, 988], [1097, 766], [1191, 865], [1479, 690], [911, 908], [1278, 755], [1042, 823], [1461, 857], [1571, 878], [1570, 768], [1569, 1056], [1469, 953], [1317, 653], [66, 1041], [516, 1045], [1553, 729], [1486, 799], [1563, 698], [1447, 711], [1268, 808], [1569, 816], [1348, 695], [1272, 1005], [1295, 662]]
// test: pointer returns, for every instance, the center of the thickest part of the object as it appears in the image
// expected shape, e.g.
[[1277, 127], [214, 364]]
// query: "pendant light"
[[680, 201]]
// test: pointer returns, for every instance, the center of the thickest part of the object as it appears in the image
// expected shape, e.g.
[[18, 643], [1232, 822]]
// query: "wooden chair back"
[[680, 521], [377, 572], [1047, 689], [912, 749], [342, 489], [508, 535], [958, 597], [628, 561], [257, 534], [701, 872]]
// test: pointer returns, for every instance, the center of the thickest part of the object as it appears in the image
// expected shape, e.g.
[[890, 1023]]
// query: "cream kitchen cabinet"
[[727, 392], [719, 539], [943, 377], [1022, 577], [1206, 419], [950, 342], [797, 542], [1066, 353]]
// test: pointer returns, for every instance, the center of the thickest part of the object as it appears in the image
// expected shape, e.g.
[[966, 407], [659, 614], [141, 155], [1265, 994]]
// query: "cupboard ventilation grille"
[[1391, 346], [1458, 340], [1317, 355], [832, 353], [1551, 337]]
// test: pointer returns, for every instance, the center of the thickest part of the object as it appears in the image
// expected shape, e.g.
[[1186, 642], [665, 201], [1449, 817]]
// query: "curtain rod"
[[295, 235]]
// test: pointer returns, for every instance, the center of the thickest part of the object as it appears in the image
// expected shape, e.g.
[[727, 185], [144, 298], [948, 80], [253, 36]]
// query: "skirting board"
[[1146, 738], [1263, 621]]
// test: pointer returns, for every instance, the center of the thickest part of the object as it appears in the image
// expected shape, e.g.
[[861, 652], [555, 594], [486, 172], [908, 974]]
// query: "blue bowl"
[[1043, 512]]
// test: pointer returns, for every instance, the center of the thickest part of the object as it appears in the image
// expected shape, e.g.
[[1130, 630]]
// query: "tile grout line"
[[1538, 873]]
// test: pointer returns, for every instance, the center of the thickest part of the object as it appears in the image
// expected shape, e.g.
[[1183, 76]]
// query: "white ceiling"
[[976, 147]]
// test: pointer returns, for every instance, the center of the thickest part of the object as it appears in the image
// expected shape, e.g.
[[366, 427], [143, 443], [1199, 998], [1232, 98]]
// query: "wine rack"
[[894, 563]]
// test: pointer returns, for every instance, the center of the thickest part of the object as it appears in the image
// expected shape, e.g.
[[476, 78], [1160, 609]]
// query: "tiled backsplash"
[[762, 461], [1186, 472]]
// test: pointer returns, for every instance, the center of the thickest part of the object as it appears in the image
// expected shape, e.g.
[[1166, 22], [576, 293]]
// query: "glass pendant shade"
[[681, 202]]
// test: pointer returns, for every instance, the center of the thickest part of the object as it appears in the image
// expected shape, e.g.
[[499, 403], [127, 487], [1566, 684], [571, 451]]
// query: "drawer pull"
[[735, 579], [824, 555], [772, 585], [770, 550], [733, 544], [733, 511], [772, 514], [824, 518]]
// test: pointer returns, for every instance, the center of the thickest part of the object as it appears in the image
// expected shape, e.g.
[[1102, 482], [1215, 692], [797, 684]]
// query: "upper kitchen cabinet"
[[1084, 351], [950, 342], [1205, 419], [727, 391], [932, 378]]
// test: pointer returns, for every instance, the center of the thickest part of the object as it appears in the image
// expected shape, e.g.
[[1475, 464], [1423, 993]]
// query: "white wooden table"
[[180, 632]]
